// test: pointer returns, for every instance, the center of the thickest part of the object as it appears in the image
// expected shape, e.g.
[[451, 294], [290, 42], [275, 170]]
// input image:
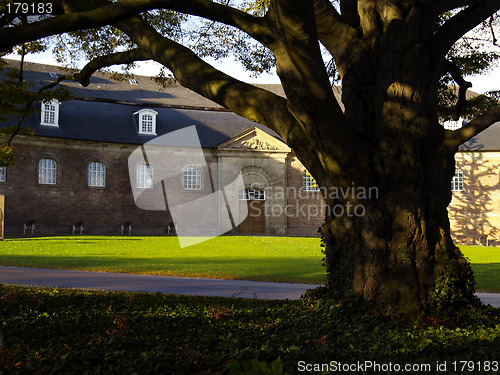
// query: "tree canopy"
[[261, 34]]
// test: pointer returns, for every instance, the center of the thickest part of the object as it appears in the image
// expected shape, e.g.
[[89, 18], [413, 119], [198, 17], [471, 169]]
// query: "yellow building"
[[475, 207]]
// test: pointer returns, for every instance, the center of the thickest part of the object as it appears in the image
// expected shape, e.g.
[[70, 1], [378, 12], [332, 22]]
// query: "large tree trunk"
[[396, 253], [387, 235]]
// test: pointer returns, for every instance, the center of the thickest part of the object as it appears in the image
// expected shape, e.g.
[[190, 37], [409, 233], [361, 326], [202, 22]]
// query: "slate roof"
[[104, 111], [487, 140]]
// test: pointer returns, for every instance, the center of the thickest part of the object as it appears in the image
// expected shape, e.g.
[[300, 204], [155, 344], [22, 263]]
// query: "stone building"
[[76, 167], [475, 208]]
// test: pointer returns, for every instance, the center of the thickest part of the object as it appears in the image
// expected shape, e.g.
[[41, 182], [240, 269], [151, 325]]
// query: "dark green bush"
[[55, 331]]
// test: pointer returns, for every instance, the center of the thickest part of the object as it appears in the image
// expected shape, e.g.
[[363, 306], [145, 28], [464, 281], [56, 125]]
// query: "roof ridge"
[[145, 104]]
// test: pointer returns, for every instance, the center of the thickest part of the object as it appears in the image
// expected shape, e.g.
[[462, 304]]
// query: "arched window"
[[145, 176], [453, 125], [457, 182], [253, 194], [97, 174], [47, 172], [308, 182], [192, 178]]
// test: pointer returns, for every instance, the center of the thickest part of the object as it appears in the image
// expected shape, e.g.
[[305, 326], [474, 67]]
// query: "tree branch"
[[195, 74], [447, 5], [246, 100], [349, 10], [495, 40], [453, 139], [118, 58], [459, 25], [339, 38], [98, 13], [463, 87]]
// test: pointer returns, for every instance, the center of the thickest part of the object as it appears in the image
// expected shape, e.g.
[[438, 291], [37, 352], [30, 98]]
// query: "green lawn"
[[287, 259], [486, 265], [251, 258]]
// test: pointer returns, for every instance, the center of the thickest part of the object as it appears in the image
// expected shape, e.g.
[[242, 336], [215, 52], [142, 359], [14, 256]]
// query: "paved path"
[[165, 284], [151, 284]]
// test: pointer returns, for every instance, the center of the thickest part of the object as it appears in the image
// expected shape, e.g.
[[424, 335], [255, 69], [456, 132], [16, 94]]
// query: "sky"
[[481, 84]]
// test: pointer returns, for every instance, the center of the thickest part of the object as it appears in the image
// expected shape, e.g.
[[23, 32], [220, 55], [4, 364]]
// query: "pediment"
[[254, 139]]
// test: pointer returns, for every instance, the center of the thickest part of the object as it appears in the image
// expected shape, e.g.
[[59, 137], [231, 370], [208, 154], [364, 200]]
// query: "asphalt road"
[[165, 284], [151, 284]]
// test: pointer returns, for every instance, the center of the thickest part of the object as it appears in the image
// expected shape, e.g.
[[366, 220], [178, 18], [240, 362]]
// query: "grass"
[[58, 331], [486, 265], [284, 259], [246, 258], [54, 331]]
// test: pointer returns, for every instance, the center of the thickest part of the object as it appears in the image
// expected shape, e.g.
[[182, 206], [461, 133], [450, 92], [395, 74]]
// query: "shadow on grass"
[[487, 277], [75, 239], [300, 270]]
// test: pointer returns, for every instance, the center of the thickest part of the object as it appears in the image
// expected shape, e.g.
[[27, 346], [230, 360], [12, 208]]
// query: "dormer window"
[[453, 125], [147, 121], [50, 113]]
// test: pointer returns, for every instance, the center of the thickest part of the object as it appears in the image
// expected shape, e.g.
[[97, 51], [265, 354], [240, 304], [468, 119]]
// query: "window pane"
[[97, 174], [50, 114], [47, 171], [147, 124], [145, 176], [192, 178], [253, 194], [309, 183], [3, 174], [457, 183]]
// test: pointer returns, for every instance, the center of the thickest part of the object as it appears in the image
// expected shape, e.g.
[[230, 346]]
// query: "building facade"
[[475, 207], [77, 167]]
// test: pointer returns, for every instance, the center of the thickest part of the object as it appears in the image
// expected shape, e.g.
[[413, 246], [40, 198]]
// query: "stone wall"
[[289, 210], [305, 209], [475, 212], [56, 207]]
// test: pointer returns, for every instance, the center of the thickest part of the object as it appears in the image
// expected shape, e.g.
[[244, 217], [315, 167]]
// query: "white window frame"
[[3, 174], [192, 177], [457, 182], [96, 172], [253, 194], [145, 176], [308, 182], [147, 121], [47, 171], [50, 113], [453, 125]]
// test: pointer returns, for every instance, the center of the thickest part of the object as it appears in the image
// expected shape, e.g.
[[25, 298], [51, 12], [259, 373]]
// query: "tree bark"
[[387, 234], [396, 251]]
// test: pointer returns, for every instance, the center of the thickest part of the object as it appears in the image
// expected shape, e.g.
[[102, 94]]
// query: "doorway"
[[255, 222]]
